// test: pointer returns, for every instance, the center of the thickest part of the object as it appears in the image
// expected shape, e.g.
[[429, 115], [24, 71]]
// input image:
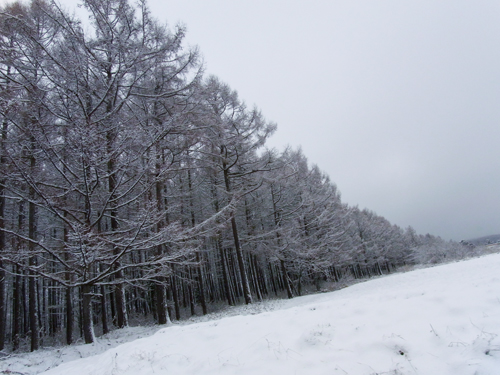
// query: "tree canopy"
[[130, 183]]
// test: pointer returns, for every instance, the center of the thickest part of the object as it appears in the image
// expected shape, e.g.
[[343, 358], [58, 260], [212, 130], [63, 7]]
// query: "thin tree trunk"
[[51, 310], [121, 307], [68, 293], [218, 244], [273, 280], [3, 165], [16, 309], [255, 280], [237, 246], [87, 323], [190, 294], [201, 281], [119, 292], [225, 273], [175, 294], [278, 240], [3, 301], [250, 232], [33, 308], [159, 288], [69, 315], [104, 310], [18, 294], [286, 281], [161, 303], [241, 263]]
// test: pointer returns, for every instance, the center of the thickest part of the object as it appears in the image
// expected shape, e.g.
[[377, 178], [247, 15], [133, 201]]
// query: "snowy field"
[[440, 320]]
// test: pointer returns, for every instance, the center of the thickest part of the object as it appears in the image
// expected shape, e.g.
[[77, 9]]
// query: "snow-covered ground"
[[440, 320]]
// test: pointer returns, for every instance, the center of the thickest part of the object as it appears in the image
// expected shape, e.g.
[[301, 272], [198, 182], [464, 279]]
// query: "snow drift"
[[440, 320]]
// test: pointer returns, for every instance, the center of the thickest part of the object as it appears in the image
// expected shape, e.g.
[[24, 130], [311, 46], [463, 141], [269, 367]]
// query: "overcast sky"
[[397, 101]]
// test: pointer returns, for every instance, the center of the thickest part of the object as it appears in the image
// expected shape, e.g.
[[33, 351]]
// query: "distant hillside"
[[494, 238]]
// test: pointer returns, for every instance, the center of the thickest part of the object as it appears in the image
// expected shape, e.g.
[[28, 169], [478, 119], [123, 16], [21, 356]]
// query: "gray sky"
[[397, 101]]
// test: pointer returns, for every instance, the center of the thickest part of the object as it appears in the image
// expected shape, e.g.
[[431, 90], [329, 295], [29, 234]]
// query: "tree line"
[[133, 185]]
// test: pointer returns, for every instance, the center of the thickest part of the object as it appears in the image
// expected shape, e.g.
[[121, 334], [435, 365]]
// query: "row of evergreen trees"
[[132, 184]]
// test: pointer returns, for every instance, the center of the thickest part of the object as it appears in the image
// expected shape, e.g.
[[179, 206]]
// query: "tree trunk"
[[16, 307], [253, 273], [121, 308], [225, 272], [277, 222], [190, 294], [18, 294], [69, 316], [219, 246], [87, 323], [255, 279], [286, 281], [201, 281], [33, 308], [159, 288], [3, 165], [104, 311], [119, 292], [239, 252], [175, 295], [68, 294], [161, 303], [2, 272]]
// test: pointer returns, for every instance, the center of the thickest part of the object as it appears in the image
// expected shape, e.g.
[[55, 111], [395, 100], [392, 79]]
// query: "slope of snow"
[[25, 363], [440, 320]]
